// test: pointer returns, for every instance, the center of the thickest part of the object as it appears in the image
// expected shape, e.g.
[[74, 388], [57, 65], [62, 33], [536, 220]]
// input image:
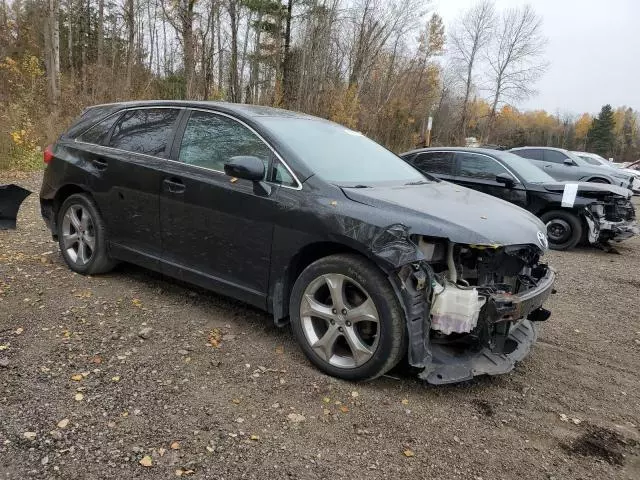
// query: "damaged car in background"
[[367, 259], [573, 212]]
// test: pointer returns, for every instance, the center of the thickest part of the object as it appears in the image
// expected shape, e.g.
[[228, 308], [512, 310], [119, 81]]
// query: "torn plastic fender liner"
[[414, 284], [593, 224], [11, 197]]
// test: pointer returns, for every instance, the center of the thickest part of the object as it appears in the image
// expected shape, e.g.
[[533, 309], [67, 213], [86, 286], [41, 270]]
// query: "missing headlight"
[[434, 250]]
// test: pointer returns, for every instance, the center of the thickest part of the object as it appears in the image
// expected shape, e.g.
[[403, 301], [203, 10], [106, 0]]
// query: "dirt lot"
[[87, 392]]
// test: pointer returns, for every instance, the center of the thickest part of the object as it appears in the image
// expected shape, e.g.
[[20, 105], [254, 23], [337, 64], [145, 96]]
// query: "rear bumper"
[[510, 332], [46, 210]]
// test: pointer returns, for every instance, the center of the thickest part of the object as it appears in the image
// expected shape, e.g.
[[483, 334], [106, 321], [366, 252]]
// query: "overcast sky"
[[593, 50]]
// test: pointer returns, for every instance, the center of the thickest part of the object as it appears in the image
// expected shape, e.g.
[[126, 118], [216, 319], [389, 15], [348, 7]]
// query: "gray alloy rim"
[[78, 234], [340, 321], [558, 230]]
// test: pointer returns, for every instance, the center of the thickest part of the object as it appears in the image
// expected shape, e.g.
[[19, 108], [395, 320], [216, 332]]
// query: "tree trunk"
[[234, 87], [70, 40], [220, 52], [52, 51], [100, 59], [187, 45], [130, 44], [287, 80]]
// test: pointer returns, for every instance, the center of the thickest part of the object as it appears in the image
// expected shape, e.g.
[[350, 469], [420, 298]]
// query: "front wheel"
[[347, 318], [564, 229]]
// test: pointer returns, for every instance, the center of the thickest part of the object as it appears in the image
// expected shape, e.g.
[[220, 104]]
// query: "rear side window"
[[145, 131], [211, 140], [554, 156], [438, 163], [98, 134], [479, 166], [532, 153]]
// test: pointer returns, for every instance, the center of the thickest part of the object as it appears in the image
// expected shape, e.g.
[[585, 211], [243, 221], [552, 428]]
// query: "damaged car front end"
[[472, 310], [611, 217], [470, 276]]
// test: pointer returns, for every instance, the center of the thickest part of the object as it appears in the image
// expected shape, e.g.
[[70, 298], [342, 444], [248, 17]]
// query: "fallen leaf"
[[136, 302], [215, 336], [326, 411], [146, 461], [29, 435], [210, 449], [280, 349], [344, 409], [115, 379], [97, 360], [63, 423], [77, 377], [4, 347], [326, 400], [175, 446], [563, 417], [409, 453], [405, 401], [161, 451], [355, 394], [79, 397], [19, 330], [236, 401], [255, 438]]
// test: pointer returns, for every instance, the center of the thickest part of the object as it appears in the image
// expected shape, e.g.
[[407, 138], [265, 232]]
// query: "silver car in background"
[[563, 165], [598, 161]]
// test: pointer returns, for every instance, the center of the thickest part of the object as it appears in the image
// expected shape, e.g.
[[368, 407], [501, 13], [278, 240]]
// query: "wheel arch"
[[282, 286]]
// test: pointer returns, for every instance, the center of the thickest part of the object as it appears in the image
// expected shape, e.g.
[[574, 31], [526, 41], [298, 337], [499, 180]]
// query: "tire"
[[366, 294], [559, 219], [85, 222]]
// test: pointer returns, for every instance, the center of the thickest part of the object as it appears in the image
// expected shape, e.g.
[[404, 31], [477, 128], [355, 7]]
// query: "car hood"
[[589, 187], [449, 211]]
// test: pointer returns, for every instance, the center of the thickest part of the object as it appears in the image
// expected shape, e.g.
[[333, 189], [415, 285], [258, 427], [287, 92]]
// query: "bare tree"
[[514, 58], [470, 35], [52, 50], [131, 31]]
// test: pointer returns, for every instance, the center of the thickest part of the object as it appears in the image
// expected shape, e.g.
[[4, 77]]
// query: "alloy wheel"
[[78, 234], [340, 320]]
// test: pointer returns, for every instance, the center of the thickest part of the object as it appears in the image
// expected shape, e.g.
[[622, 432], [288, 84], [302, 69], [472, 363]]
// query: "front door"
[[479, 172], [216, 230]]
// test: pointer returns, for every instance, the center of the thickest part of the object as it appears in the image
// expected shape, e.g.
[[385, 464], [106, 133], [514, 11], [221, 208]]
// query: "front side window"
[[146, 131], [211, 140], [99, 133], [479, 166], [553, 156], [437, 163]]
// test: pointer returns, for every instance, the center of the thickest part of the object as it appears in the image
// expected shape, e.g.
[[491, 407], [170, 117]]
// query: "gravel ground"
[[131, 375]]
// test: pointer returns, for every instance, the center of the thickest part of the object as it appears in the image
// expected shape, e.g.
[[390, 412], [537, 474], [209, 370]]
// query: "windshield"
[[342, 156], [524, 168], [590, 160]]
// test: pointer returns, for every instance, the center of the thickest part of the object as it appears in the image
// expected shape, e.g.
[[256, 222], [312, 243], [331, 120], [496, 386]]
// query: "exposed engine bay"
[[479, 308], [611, 218]]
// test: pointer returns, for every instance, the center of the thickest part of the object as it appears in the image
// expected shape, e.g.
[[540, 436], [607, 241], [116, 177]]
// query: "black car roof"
[[241, 109], [485, 151]]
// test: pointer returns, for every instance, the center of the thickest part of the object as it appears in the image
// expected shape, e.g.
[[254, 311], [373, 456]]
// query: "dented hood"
[[590, 187], [449, 211]]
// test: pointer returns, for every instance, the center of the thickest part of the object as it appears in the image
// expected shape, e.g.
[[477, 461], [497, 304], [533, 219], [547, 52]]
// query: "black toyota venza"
[[367, 258]]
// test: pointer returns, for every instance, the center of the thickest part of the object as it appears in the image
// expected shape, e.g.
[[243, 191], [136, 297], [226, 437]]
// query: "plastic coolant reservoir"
[[455, 309]]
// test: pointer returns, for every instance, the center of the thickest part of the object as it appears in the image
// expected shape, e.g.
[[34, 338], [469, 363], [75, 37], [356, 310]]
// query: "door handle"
[[100, 164], [174, 185]]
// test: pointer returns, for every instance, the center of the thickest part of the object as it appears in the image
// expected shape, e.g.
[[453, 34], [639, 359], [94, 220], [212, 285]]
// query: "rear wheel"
[[564, 229], [82, 236], [347, 319]]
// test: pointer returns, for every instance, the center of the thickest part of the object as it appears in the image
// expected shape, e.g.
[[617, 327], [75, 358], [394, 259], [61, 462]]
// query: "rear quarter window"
[[99, 133], [437, 163]]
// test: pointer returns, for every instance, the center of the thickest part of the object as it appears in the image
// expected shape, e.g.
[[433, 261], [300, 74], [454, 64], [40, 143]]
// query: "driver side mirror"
[[249, 168], [506, 179], [569, 162]]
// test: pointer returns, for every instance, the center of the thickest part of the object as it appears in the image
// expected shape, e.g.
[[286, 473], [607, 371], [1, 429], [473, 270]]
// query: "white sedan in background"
[[598, 161]]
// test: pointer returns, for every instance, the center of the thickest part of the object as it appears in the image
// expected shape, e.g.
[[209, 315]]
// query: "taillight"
[[47, 155]]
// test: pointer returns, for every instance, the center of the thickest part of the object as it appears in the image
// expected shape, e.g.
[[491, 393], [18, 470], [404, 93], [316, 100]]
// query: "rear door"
[[438, 164], [127, 154], [216, 230], [479, 171]]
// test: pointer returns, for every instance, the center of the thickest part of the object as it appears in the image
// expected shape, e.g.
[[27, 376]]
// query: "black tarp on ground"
[[11, 197]]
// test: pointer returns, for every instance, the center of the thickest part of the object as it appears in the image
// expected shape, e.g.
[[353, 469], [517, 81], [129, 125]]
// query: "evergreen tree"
[[600, 138]]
